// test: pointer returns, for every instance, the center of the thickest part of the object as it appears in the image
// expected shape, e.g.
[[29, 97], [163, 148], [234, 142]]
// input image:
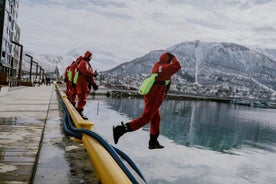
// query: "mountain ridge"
[[205, 63], [215, 64]]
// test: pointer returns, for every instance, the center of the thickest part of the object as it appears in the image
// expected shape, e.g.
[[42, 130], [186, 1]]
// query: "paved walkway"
[[33, 148]]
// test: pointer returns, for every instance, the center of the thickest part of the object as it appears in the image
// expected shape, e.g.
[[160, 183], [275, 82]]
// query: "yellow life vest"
[[147, 84], [76, 77], [69, 75]]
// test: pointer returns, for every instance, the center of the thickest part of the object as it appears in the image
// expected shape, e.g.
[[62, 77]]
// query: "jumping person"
[[85, 80], [167, 65]]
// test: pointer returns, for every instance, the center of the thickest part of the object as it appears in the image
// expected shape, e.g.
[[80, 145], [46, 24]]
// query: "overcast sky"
[[132, 28]]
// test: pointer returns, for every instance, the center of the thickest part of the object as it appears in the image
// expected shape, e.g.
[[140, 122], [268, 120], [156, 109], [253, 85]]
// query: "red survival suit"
[[66, 80], [165, 68], [85, 80], [73, 90]]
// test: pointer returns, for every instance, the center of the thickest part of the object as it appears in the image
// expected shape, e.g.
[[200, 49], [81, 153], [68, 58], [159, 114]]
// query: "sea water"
[[205, 142]]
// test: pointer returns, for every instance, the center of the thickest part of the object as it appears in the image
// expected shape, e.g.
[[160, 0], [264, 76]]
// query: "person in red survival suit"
[[85, 81], [165, 68], [67, 83], [73, 90]]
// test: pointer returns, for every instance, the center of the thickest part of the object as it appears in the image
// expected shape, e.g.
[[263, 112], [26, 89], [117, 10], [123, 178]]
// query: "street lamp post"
[[30, 66], [20, 60], [36, 70], [43, 74], [40, 69]]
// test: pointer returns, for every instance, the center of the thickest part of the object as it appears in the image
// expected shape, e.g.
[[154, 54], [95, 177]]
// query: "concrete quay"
[[33, 147]]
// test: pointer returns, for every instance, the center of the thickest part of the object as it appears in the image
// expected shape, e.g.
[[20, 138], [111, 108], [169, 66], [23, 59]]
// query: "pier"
[[170, 95], [39, 143], [33, 147]]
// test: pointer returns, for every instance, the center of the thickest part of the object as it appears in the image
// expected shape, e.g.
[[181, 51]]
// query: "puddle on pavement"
[[18, 121], [8, 121], [60, 161], [7, 168], [64, 162]]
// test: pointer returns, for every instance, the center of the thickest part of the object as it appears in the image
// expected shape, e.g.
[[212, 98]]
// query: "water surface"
[[205, 142]]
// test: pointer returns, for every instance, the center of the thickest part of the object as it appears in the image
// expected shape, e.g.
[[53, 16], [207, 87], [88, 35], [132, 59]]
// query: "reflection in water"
[[216, 126]]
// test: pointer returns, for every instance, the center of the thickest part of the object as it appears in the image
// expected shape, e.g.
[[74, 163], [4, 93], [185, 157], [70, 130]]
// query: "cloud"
[[133, 28], [265, 29]]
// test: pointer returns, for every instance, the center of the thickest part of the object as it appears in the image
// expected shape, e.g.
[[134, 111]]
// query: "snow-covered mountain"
[[211, 64], [101, 60], [206, 63], [48, 62]]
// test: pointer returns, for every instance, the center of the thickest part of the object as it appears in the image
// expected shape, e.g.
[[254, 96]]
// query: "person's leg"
[[67, 88], [72, 96], [152, 103], [155, 123], [154, 131], [135, 124], [81, 103]]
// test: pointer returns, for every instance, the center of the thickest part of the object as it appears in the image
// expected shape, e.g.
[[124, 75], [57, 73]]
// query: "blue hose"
[[114, 152], [67, 129], [130, 162], [110, 150]]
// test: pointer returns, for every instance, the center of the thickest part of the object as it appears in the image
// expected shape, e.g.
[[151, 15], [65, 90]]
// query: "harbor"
[[133, 93]]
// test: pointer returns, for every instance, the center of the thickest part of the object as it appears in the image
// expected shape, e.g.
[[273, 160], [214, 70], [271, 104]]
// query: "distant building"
[[9, 30], [56, 74]]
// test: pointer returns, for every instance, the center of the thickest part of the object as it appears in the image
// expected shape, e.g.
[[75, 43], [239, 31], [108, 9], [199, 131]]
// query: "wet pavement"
[[33, 147]]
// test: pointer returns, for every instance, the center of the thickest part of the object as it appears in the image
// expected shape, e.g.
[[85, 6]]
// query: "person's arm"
[[172, 67], [83, 68]]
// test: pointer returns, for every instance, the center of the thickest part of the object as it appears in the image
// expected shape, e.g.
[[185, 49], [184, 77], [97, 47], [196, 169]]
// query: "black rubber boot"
[[120, 130], [74, 104], [153, 143], [81, 114]]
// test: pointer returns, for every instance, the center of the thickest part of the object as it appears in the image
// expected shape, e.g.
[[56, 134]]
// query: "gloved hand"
[[171, 56], [95, 86]]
